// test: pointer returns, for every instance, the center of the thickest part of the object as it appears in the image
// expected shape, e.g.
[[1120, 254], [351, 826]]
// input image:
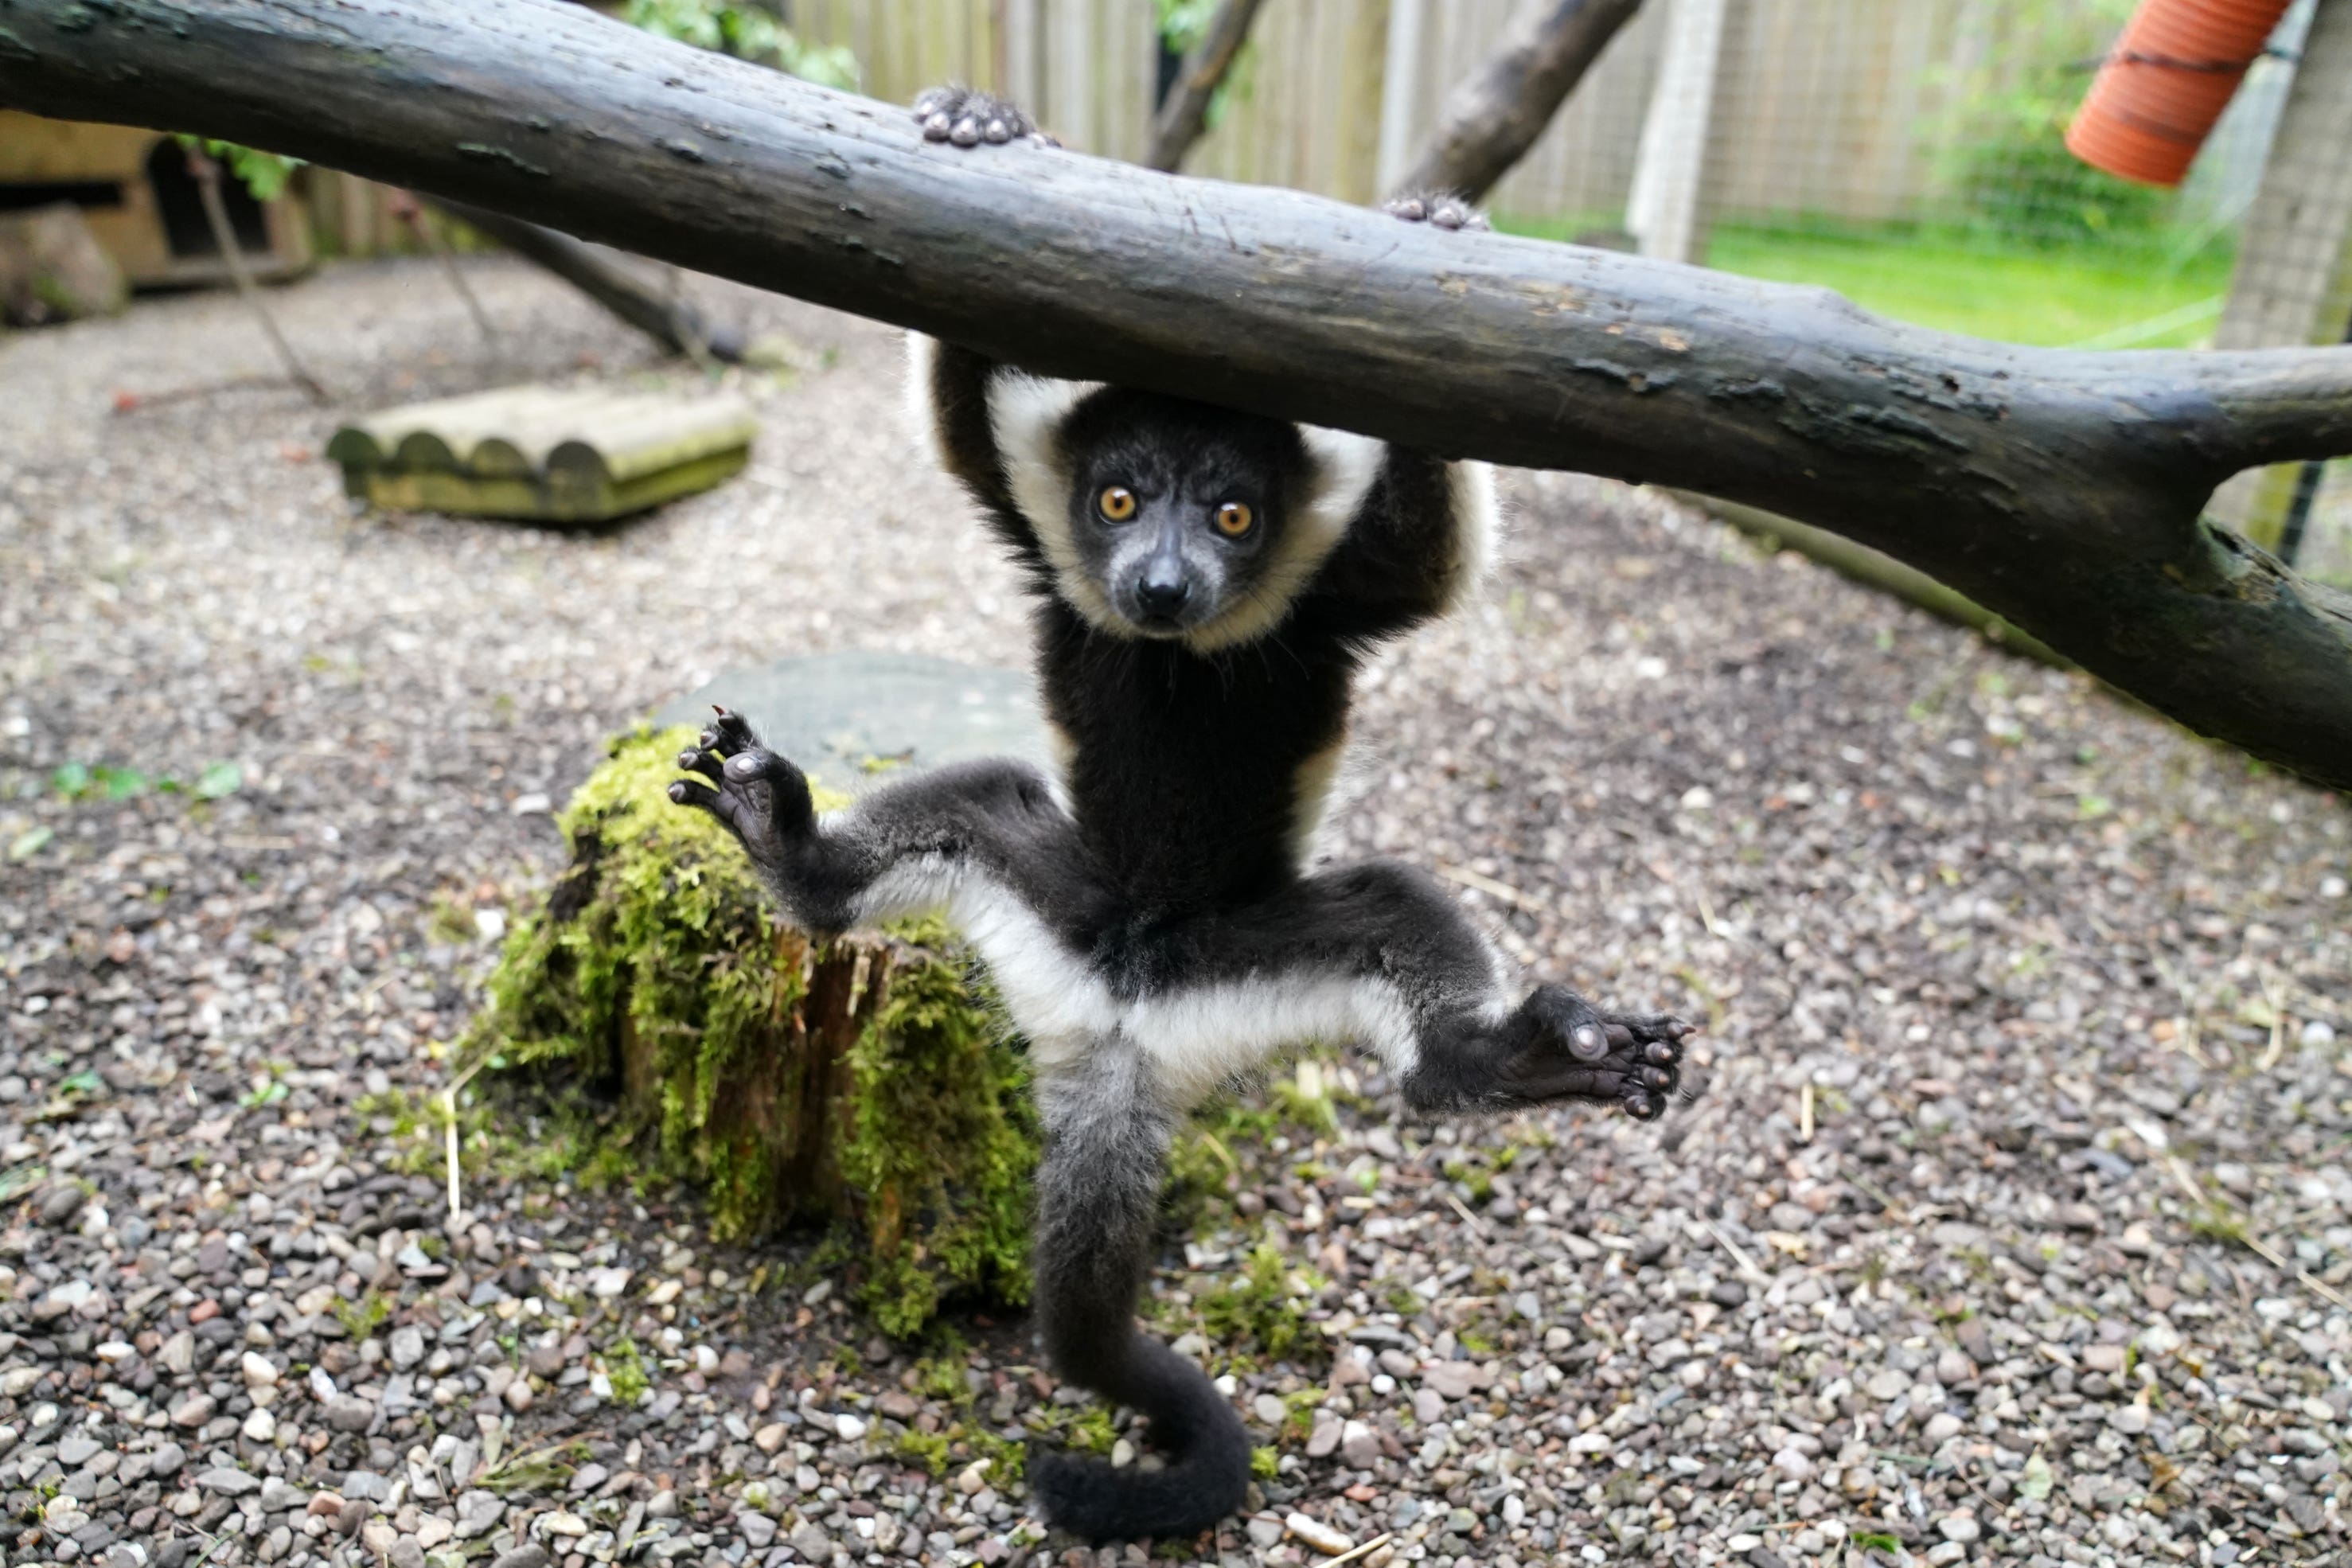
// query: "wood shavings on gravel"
[[2011, 1225]]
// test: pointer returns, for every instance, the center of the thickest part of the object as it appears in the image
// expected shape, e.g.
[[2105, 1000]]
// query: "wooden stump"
[[862, 1083]]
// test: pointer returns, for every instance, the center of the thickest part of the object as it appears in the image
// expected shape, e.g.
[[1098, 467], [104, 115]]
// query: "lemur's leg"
[[1106, 1132], [909, 846], [1381, 953]]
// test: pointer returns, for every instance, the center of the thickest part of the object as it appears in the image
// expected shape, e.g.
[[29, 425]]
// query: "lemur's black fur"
[[1162, 931]]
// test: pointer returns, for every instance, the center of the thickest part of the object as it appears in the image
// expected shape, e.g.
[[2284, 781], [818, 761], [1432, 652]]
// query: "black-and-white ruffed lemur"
[[1206, 585]]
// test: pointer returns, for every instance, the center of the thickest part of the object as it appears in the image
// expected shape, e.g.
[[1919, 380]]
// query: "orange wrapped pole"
[[2170, 77]]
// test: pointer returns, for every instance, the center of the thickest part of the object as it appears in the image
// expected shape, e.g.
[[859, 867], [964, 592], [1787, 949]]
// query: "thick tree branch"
[[2060, 489], [1185, 114], [1495, 114]]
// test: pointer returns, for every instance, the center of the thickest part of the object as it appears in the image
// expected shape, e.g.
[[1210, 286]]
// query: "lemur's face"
[[1177, 509]]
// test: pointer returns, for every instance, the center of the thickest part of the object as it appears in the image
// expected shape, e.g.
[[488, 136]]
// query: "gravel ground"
[[2012, 1224]]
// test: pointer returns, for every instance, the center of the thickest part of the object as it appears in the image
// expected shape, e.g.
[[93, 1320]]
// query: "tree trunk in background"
[[1495, 114], [2061, 489], [1185, 115], [675, 324]]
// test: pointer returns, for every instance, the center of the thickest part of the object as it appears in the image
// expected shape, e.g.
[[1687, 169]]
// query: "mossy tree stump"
[[865, 1082]]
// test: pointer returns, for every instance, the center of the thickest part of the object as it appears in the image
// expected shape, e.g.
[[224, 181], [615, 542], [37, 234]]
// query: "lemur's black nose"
[[1161, 593]]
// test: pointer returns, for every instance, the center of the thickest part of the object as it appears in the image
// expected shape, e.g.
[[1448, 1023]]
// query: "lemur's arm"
[[951, 387], [1413, 550], [1422, 535], [904, 848]]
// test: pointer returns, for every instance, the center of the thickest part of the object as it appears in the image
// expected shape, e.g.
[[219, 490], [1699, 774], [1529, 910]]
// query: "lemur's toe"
[[729, 731], [1440, 209], [704, 762], [1642, 1105]]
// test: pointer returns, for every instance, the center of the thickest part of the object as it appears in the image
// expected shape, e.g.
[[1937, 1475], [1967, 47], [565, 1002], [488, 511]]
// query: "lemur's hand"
[[1574, 1051], [1442, 208], [761, 798], [966, 118]]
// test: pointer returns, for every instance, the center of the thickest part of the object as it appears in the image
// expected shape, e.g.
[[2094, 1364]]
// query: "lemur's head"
[[1164, 518]]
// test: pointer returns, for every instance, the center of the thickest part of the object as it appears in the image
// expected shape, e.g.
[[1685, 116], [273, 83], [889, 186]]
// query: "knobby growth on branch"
[[2061, 489]]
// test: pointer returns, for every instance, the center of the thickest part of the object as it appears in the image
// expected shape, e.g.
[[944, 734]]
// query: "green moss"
[[624, 1368], [1263, 1310], [363, 1317], [942, 1142], [927, 1450], [1266, 1463]]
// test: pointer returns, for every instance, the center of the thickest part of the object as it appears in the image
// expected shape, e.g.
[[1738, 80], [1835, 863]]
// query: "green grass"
[[1985, 286]]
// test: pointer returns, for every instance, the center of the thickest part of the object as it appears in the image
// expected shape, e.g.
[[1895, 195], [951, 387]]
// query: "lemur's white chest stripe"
[[1196, 1037]]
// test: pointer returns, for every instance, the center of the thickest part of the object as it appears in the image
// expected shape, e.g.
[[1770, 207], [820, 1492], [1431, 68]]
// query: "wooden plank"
[[560, 454]]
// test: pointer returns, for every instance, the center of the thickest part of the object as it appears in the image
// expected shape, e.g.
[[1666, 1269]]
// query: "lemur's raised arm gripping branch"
[[2061, 489]]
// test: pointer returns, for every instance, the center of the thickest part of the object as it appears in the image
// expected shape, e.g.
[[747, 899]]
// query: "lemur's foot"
[[761, 798], [967, 118], [1574, 1051], [1442, 208]]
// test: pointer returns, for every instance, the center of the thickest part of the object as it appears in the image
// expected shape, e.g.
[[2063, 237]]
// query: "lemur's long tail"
[[1208, 1452], [1097, 1214]]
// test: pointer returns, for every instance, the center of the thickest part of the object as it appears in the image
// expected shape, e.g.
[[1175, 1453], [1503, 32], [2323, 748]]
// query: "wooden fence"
[[1846, 108]]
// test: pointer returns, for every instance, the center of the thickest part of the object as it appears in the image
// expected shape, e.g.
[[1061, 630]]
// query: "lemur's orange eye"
[[1234, 519], [1116, 503]]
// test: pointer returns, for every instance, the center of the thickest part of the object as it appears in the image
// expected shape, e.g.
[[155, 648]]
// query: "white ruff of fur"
[[1196, 1037], [1026, 414]]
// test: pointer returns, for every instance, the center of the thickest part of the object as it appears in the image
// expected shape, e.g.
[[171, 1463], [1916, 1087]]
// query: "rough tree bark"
[[1495, 114], [1185, 114], [675, 325], [2061, 489]]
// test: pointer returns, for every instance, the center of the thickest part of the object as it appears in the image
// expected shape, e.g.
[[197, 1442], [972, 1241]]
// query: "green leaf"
[[269, 1093], [82, 1085], [18, 1180], [264, 173], [122, 784], [29, 843], [219, 779], [70, 780], [2037, 1481]]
